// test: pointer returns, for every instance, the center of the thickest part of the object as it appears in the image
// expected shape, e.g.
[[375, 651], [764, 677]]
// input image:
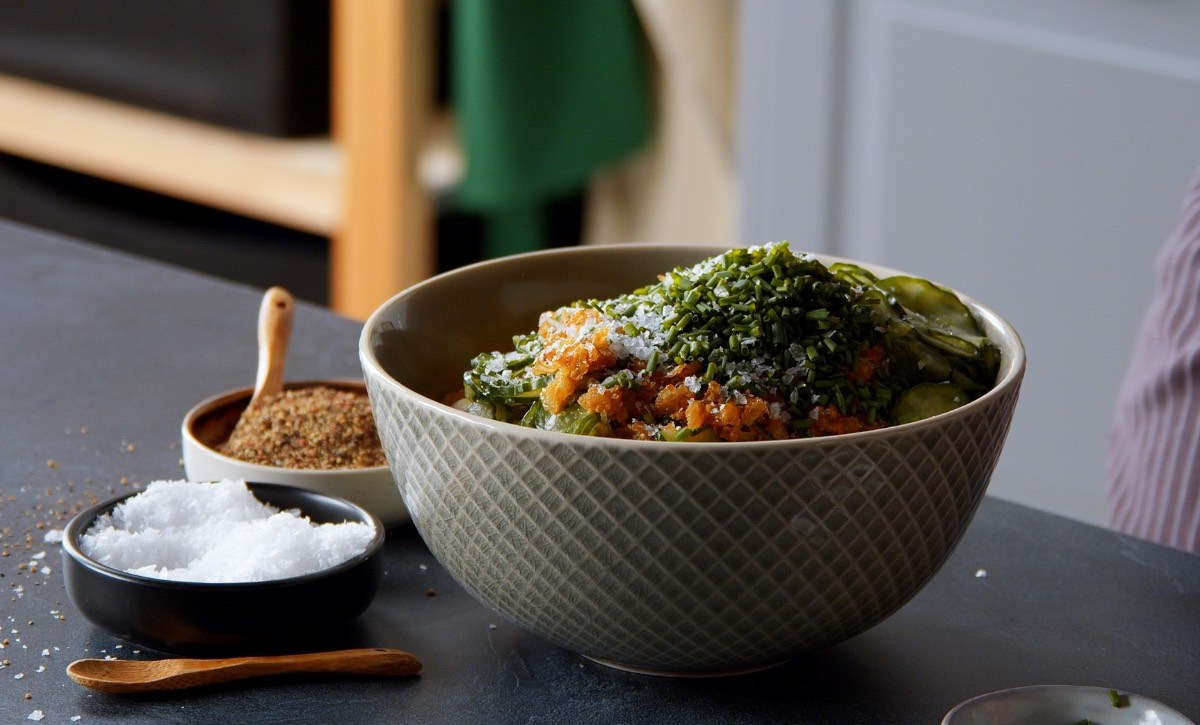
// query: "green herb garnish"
[[764, 322], [760, 319]]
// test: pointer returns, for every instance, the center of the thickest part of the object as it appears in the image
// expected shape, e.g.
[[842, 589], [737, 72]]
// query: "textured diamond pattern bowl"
[[680, 558]]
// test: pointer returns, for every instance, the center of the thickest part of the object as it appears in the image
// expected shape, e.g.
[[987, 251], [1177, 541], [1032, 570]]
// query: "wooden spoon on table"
[[178, 674], [274, 329]]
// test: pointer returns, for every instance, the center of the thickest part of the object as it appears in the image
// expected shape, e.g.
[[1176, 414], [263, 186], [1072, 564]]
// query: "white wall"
[[1031, 154]]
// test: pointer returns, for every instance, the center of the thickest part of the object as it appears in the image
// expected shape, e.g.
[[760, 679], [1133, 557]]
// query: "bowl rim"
[[1051, 691], [79, 524], [1013, 371], [213, 402]]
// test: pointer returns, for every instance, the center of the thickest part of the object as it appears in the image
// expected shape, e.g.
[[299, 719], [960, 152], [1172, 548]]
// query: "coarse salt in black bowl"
[[210, 618]]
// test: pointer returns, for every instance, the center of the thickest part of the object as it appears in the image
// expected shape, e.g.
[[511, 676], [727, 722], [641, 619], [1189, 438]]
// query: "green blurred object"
[[545, 93]]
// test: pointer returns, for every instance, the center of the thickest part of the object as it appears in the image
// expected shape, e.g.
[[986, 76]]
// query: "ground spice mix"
[[317, 428]]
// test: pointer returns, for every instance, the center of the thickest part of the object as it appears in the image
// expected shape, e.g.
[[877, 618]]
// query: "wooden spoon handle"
[[373, 661], [274, 330], [367, 661]]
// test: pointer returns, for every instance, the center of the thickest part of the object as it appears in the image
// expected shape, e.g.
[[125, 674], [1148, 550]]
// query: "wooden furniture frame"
[[361, 187]]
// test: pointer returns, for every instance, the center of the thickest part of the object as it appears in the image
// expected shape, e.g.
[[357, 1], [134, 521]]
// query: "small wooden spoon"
[[274, 330], [178, 674]]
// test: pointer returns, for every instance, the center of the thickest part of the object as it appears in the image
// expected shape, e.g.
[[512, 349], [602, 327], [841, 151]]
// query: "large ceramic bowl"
[[689, 557]]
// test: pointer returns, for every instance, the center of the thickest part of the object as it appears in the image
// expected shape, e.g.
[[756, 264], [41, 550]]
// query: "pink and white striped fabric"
[[1154, 443]]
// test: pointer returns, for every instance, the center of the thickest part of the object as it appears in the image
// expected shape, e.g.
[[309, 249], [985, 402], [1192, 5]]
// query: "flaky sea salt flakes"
[[76, 718], [980, 573], [35, 715], [217, 532]]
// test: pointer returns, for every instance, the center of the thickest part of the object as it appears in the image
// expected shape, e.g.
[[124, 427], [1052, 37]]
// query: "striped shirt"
[[1154, 442]]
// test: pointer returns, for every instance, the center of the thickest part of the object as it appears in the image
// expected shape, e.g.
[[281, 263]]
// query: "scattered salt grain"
[[35, 715], [217, 532], [980, 573]]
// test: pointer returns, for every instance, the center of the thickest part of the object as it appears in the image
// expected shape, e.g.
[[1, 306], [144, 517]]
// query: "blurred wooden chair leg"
[[382, 104]]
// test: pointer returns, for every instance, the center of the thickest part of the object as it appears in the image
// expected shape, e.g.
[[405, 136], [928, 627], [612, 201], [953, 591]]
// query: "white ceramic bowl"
[[210, 422], [1063, 704], [680, 558]]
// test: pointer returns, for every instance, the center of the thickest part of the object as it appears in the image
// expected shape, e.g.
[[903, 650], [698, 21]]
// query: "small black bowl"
[[209, 618]]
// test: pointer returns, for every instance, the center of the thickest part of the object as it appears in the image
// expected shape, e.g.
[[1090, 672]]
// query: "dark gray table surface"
[[101, 354]]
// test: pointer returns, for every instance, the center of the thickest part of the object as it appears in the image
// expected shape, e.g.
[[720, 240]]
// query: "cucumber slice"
[[926, 400], [934, 303], [675, 434], [574, 419]]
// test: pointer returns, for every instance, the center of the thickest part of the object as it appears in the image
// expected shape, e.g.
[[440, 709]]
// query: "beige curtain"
[[682, 188]]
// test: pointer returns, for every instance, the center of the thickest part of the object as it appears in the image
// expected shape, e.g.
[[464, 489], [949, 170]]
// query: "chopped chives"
[[652, 362]]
